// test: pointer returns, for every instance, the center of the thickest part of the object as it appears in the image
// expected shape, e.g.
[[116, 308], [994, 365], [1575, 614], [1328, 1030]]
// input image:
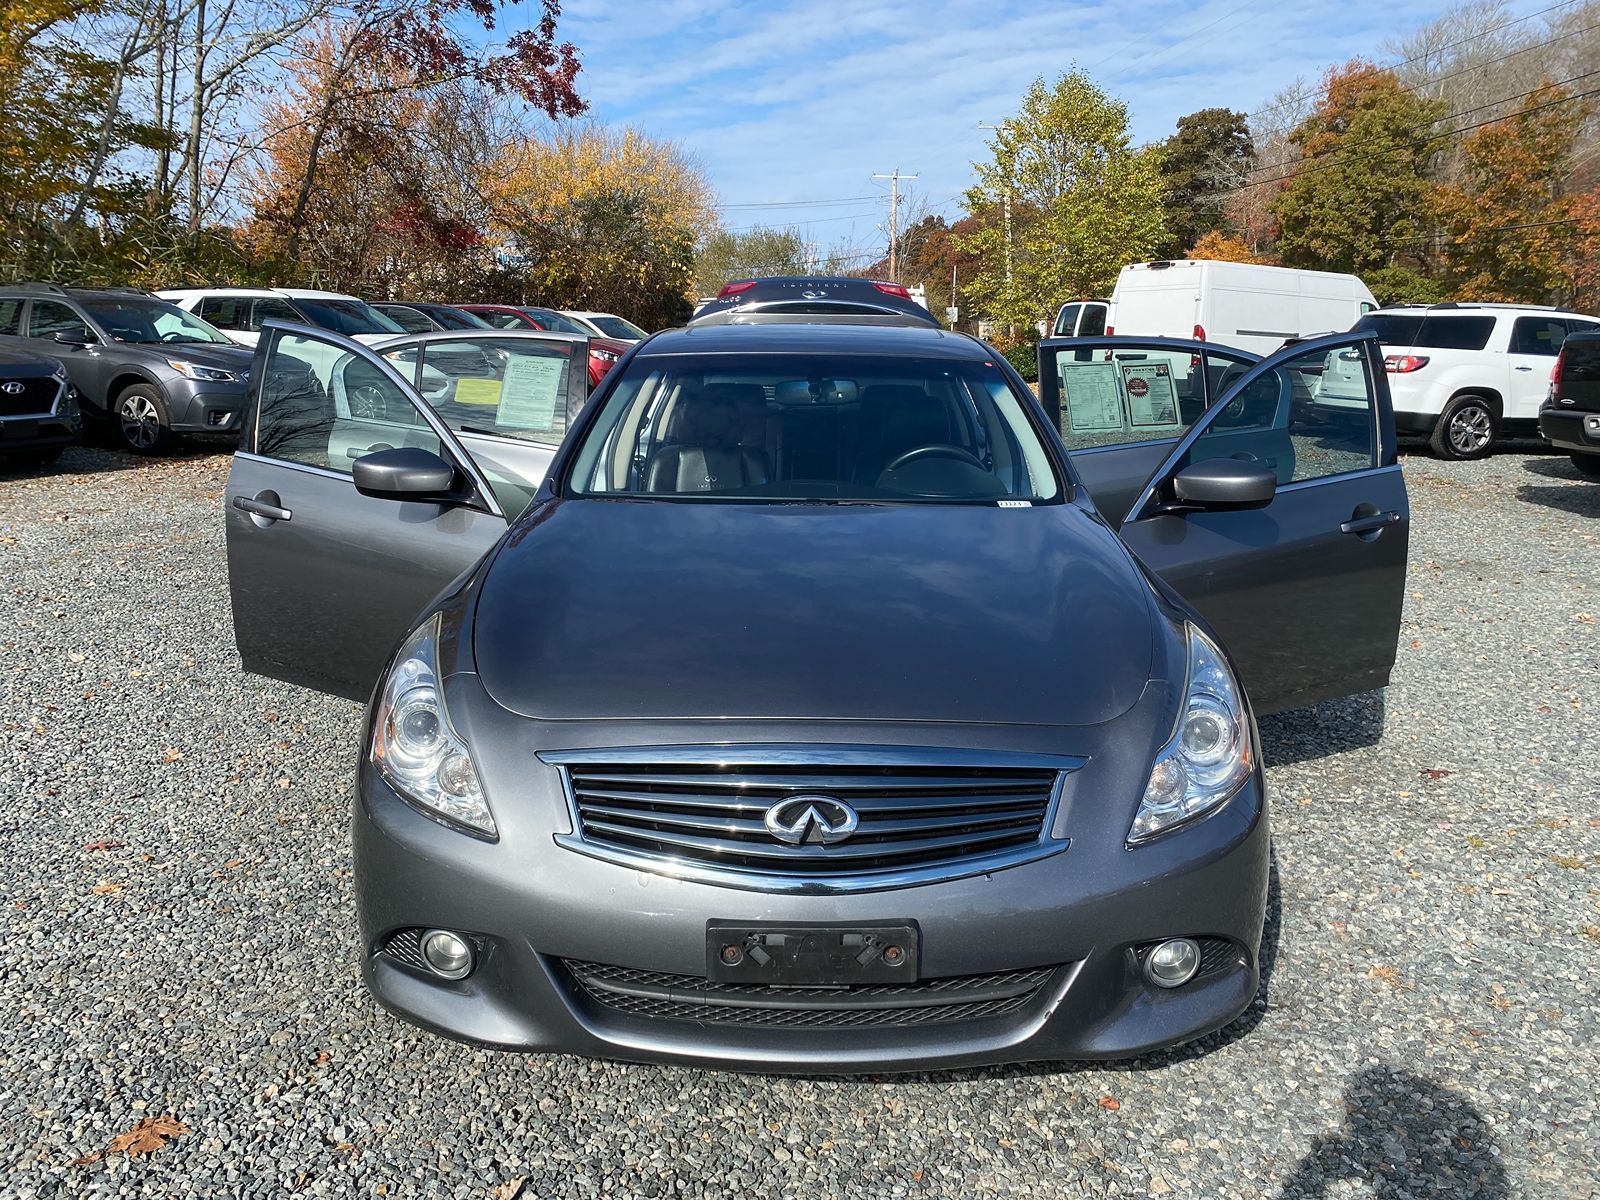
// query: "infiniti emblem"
[[12, 389], [814, 295], [820, 819]]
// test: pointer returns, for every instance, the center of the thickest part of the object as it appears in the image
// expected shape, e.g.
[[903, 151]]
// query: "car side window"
[[1313, 417], [1115, 397], [511, 387], [1538, 335], [50, 317], [270, 308], [1067, 320], [225, 312], [323, 407], [1093, 321], [11, 316]]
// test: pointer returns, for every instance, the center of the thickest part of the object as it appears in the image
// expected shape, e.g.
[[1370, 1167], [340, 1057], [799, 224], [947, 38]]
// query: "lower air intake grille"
[[693, 998]]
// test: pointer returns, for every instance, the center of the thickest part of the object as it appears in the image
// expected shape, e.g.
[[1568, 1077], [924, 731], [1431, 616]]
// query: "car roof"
[[292, 293], [1468, 306], [911, 341]]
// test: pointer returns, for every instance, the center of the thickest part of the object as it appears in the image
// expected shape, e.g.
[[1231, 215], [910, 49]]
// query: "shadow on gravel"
[[1581, 501], [101, 460], [1403, 1135], [1332, 727]]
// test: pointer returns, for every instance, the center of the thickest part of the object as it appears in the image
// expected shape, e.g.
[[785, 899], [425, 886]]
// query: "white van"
[[1236, 304]]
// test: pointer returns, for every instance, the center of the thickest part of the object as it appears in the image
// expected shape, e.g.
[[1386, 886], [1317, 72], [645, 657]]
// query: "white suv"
[[1465, 373], [238, 312]]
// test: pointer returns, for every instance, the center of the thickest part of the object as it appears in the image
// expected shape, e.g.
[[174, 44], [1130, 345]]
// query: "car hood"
[[16, 364], [226, 358], [637, 609]]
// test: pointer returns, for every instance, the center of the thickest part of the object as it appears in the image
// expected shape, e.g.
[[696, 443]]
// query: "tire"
[[139, 419], [1587, 464], [32, 460], [1466, 429]]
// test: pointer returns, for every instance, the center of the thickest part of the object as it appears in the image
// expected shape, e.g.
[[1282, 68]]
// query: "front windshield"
[[134, 319], [617, 327], [795, 428], [348, 317]]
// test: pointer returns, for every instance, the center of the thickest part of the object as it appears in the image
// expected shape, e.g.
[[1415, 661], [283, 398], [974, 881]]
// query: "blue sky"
[[803, 100]]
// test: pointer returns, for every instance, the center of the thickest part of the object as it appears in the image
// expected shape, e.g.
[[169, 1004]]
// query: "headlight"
[[413, 745], [1209, 754], [201, 374], [601, 354]]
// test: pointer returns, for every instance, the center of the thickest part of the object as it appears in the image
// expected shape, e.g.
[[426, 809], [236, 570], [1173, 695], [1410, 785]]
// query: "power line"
[[800, 203], [894, 179]]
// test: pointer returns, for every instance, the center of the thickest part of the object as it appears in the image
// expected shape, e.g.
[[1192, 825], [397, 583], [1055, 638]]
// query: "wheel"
[[141, 423], [1587, 464], [32, 460], [1466, 428]]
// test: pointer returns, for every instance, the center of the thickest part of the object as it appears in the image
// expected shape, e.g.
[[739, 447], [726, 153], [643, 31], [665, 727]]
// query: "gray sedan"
[[831, 704]]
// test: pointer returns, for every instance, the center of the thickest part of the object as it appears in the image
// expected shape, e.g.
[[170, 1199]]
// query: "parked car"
[[607, 325], [1081, 318], [821, 295], [1569, 419], [880, 739], [1238, 304], [1464, 374], [39, 413], [418, 317], [604, 352], [239, 312], [144, 369]]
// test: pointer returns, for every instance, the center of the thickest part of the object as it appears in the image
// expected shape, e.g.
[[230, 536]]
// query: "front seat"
[[896, 417], [705, 448]]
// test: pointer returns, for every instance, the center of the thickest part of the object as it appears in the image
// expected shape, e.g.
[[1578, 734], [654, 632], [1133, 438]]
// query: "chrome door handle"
[[260, 508], [1367, 524]]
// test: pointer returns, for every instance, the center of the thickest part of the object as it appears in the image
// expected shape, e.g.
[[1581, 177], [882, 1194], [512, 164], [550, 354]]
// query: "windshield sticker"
[[477, 391], [1090, 397], [1015, 503], [1152, 399]]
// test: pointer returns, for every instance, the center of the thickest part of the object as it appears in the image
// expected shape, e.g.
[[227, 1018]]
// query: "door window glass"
[[1114, 397], [513, 387], [11, 316], [271, 308], [1312, 417], [226, 312], [50, 317], [323, 407], [1433, 330], [1538, 335], [1093, 321], [1067, 320]]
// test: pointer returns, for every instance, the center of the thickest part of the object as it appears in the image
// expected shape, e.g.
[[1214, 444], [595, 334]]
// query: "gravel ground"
[[179, 938]]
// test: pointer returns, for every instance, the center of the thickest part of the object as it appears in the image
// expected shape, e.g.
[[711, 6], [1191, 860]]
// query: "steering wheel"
[[933, 450], [173, 335]]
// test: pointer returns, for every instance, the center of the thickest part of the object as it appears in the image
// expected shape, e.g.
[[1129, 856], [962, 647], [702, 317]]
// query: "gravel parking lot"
[[179, 936]]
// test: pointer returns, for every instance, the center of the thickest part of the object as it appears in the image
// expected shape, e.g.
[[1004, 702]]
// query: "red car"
[[603, 352]]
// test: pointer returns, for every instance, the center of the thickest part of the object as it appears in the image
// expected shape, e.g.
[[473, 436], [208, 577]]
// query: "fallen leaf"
[[148, 1136], [508, 1189], [232, 863], [1435, 772], [1110, 1103], [103, 844], [916, 1176], [75, 657], [171, 754], [1160, 1187], [1416, 643], [107, 889], [322, 1057], [1584, 618], [88, 1159]]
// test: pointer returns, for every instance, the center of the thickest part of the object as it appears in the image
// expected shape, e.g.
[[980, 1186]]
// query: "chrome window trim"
[[820, 755]]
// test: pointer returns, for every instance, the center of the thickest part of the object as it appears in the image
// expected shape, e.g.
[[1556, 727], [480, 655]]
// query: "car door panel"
[[1306, 593], [324, 580]]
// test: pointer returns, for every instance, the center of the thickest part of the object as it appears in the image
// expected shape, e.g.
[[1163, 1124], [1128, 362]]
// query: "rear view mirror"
[[1225, 483], [403, 473], [816, 391]]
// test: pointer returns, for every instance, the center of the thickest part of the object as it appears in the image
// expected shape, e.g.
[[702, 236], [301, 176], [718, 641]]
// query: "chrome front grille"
[[915, 821], [693, 998]]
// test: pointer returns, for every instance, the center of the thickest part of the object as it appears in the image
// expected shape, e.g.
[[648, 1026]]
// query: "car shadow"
[[89, 459], [1580, 501], [1403, 1135], [1332, 727]]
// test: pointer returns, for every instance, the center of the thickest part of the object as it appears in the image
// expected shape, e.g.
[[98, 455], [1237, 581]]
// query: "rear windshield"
[[348, 317], [617, 327], [1434, 330], [1580, 357], [798, 428]]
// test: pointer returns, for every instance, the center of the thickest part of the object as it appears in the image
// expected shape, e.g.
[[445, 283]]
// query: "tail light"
[[1404, 364], [1555, 370], [1199, 332], [1111, 331], [733, 289], [893, 289]]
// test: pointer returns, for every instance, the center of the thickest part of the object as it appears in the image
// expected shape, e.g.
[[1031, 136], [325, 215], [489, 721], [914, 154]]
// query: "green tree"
[[1202, 164], [1361, 194], [727, 254], [1083, 201]]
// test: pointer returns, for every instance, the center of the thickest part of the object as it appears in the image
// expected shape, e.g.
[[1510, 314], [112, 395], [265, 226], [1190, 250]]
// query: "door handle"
[[1369, 524], [261, 508], [1522, 368]]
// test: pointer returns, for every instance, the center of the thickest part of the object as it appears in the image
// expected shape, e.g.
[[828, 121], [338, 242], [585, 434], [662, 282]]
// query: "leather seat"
[[714, 443], [896, 417]]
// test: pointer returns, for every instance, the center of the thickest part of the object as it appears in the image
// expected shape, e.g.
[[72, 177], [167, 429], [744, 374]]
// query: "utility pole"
[[894, 221]]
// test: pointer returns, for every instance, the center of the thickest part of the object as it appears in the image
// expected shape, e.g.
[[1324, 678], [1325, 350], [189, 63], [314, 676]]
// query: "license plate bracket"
[[782, 955]]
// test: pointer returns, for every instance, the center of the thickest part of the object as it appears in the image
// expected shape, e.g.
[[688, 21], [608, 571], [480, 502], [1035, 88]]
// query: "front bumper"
[[205, 407], [60, 426], [540, 911], [1571, 430]]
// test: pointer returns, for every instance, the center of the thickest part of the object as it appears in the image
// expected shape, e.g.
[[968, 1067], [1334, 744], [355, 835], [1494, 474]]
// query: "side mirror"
[[403, 473], [67, 337], [1225, 483]]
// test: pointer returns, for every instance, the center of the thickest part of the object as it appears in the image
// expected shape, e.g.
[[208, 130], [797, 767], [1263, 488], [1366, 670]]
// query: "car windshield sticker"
[[1091, 400], [528, 397], [477, 391], [1152, 400]]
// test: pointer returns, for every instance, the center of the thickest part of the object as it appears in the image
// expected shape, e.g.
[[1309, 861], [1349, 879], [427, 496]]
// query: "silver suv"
[[1465, 374]]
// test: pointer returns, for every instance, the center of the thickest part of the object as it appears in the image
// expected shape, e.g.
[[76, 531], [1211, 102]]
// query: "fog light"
[[448, 954], [1173, 963]]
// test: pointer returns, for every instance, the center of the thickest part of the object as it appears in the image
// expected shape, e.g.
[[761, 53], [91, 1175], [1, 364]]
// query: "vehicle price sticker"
[[1090, 397], [529, 393], [477, 391], [1152, 398]]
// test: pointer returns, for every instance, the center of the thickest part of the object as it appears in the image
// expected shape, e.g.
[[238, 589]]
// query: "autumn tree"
[[1512, 231], [1202, 164], [726, 254], [1224, 247], [1361, 187]]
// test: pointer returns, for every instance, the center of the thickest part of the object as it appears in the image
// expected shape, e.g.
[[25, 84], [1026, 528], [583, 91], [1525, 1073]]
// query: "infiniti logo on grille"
[[821, 819]]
